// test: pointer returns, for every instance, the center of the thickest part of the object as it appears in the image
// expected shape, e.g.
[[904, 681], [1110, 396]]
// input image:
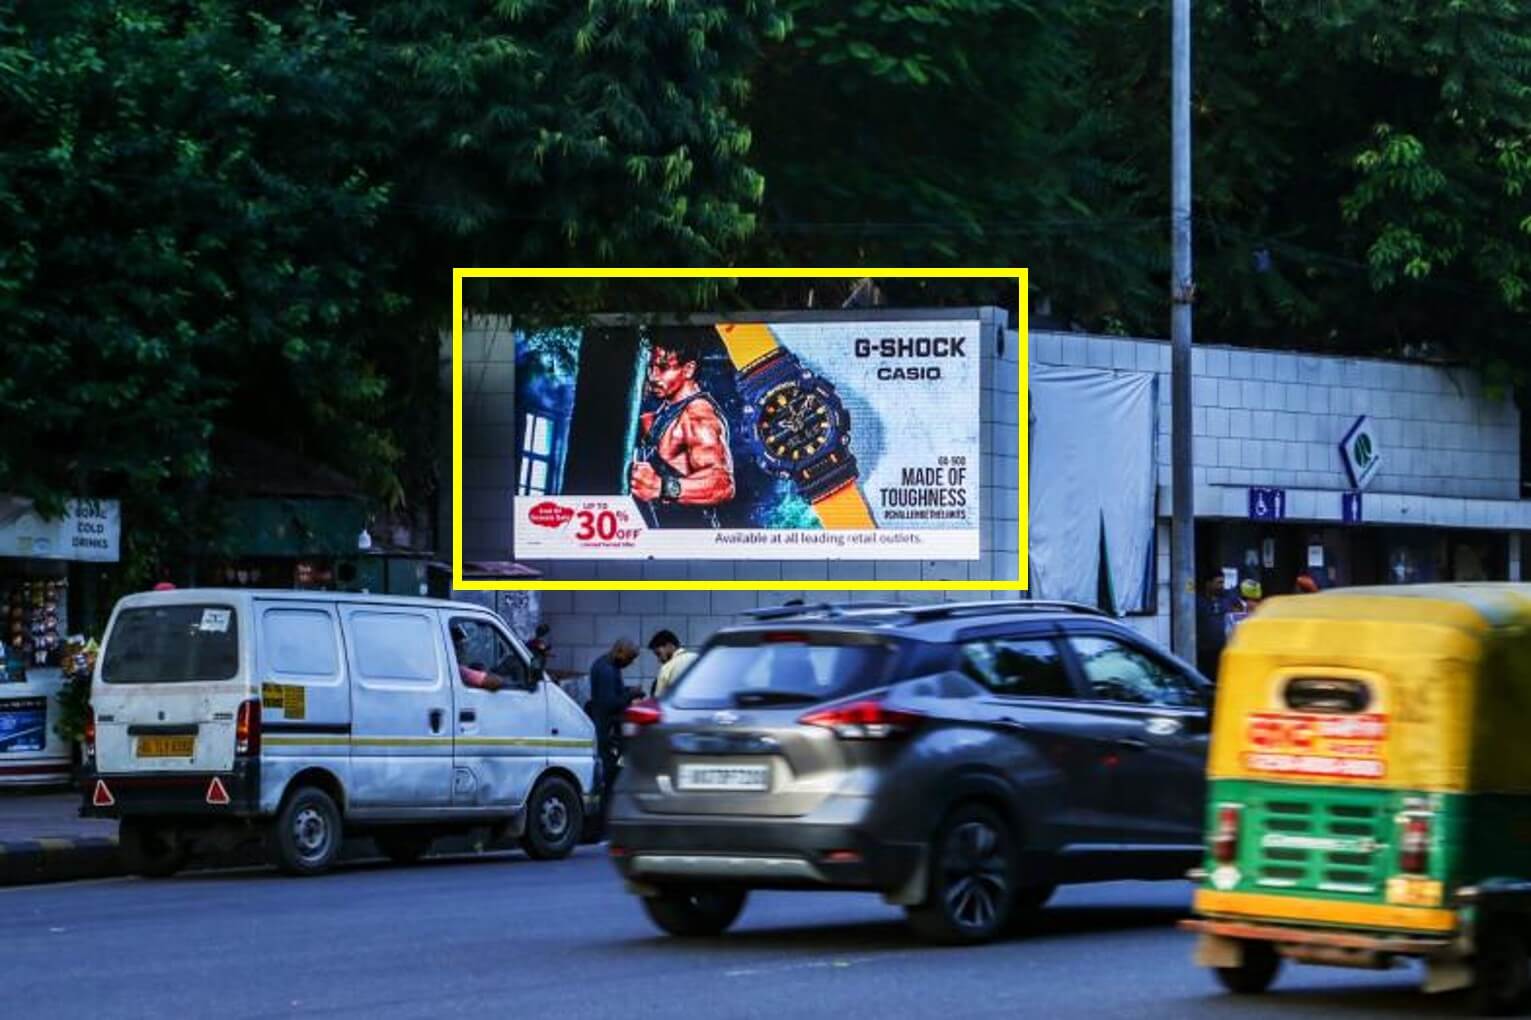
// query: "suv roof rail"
[[941, 610], [817, 609]]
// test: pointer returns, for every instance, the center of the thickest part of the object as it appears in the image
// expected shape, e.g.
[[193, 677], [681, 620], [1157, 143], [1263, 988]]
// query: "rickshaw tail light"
[[1414, 847], [1225, 841]]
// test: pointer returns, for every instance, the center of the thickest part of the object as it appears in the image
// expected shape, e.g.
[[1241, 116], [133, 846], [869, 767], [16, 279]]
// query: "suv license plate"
[[166, 747], [723, 777]]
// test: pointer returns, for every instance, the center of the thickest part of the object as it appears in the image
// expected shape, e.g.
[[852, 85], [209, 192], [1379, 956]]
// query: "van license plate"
[[723, 777], [166, 747]]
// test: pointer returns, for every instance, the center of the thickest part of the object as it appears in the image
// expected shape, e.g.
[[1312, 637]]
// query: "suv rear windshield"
[[781, 672], [172, 645]]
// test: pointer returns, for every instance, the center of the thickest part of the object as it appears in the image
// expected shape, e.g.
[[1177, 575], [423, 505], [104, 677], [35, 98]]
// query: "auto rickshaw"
[[1369, 790]]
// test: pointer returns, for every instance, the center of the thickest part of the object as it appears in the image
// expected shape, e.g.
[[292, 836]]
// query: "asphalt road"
[[510, 937]]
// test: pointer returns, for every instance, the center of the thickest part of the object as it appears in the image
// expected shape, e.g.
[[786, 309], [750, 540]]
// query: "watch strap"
[[747, 343], [844, 509]]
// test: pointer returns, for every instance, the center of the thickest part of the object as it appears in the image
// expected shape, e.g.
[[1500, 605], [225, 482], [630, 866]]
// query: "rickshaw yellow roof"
[[1467, 606], [1450, 725]]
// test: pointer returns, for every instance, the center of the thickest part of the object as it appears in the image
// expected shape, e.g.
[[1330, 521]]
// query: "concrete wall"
[[1275, 418]]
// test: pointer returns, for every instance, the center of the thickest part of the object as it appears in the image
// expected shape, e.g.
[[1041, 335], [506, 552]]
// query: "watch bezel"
[[838, 434]]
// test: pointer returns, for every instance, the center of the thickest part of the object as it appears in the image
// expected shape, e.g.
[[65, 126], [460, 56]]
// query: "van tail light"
[[868, 719], [1225, 838], [247, 730], [90, 735], [640, 714], [1414, 844]]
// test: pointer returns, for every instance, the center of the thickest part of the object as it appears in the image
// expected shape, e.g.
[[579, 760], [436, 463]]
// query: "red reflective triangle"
[[102, 797], [216, 794]]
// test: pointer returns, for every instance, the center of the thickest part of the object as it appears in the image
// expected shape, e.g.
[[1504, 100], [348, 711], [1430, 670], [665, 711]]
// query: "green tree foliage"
[[540, 133], [222, 216], [181, 244], [1360, 166], [948, 132], [216, 215], [1359, 170]]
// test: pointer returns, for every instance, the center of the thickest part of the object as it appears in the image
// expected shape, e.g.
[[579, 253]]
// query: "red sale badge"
[[550, 515]]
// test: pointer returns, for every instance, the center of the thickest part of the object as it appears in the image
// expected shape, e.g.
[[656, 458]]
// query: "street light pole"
[[1182, 293]]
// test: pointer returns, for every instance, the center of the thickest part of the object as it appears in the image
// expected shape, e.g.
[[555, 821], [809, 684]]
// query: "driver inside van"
[[473, 675]]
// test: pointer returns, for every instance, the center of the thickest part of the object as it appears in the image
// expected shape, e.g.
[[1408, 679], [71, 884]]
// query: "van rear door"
[[173, 676]]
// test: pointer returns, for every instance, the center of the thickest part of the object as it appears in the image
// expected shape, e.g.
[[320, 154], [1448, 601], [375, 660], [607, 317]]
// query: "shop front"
[[1274, 554], [315, 544], [43, 562]]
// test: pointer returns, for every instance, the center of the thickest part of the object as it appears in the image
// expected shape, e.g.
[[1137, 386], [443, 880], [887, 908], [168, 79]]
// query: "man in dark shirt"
[[1211, 624], [608, 698]]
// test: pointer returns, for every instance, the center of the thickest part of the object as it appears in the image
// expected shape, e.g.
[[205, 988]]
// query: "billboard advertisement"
[[747, 440]]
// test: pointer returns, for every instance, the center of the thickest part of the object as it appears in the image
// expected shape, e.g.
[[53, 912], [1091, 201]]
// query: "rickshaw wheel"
[[1255, 972], [1501, 972]]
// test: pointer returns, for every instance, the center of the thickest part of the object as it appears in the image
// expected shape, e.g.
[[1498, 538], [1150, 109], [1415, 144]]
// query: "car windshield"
[[172, 645], [780, 673]]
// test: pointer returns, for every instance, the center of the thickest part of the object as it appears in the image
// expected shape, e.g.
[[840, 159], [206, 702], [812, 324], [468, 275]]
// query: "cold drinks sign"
[[90, 529], [748, 440]]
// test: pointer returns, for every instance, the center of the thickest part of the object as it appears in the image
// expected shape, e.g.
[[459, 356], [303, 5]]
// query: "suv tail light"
[[90, 735], [1414, 844], [247, 730], [868, 719], [640, 714], [1225, 838]]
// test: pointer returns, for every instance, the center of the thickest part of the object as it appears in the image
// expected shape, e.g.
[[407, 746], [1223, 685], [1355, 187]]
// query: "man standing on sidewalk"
[[608, 697], [673, 659]]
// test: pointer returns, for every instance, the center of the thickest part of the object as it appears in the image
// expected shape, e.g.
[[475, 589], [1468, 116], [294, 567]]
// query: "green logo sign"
[[1362, 451], [1359, 449]]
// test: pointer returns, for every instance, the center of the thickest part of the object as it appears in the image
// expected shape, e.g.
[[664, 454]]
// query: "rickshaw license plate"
[[166, 747], [1413, 892], [723, 777]]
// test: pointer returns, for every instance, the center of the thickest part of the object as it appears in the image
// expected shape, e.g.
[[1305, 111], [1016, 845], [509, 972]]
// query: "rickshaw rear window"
[[1327, 694]]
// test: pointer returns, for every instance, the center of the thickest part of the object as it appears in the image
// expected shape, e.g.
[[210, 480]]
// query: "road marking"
[[834, 964]]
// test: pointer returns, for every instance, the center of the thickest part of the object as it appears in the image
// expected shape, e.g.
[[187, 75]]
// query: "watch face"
[[797, 422]]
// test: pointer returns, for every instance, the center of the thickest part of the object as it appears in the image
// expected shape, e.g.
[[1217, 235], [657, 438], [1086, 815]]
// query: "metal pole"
[[1182, 292]]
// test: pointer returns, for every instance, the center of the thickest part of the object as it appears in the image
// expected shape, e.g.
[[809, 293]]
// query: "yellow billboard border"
[[1023, 450]]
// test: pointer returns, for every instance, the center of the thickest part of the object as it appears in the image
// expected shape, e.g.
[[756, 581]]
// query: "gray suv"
[[962, 759]]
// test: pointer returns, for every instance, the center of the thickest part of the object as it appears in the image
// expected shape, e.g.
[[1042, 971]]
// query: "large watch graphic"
[[799, 426]]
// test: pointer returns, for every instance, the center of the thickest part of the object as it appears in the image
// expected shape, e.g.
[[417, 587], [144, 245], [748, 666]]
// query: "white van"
[[225, 716]]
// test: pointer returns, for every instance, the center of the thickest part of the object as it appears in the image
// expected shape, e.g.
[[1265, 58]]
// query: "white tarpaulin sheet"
[[1093, 484]]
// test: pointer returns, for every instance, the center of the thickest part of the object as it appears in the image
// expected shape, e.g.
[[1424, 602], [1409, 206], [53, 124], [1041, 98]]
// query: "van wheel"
[[1501, 971], [308, 833], [972, 879], [150, 850], [404, 846], [695, 911], [555, 820], [1255, 971]]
